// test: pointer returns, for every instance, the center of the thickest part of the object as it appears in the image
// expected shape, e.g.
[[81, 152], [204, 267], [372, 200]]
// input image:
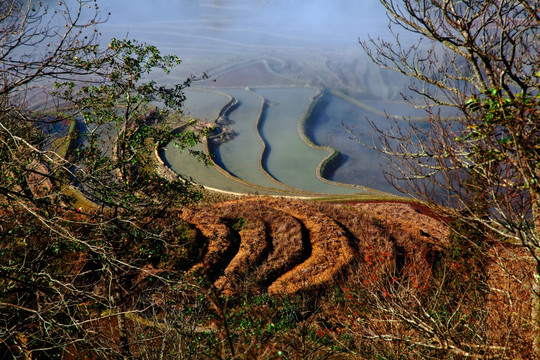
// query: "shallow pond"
[[204, 105], [183, 163], [241, 155], [359, 164], [289, 159]]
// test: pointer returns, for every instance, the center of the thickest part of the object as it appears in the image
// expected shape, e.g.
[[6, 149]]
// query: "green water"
[[290, 160], [204, 105], [187, 165], [241, 155]]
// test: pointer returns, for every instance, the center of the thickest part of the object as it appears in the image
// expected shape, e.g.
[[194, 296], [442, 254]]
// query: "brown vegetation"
[[258, 277], [284, 246]]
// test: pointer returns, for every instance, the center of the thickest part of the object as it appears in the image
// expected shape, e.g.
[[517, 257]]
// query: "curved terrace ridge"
[[166, 170], [332, 152], [270, 171], [225, 111], [264, 143], [232, 103]]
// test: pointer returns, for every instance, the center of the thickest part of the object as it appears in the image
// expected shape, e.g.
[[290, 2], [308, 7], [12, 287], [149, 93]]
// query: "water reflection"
[[308, 43]]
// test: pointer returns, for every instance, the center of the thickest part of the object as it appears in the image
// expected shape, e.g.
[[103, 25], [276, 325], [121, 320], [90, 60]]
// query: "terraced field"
[[270, 150], [283, 246], [246, 44]]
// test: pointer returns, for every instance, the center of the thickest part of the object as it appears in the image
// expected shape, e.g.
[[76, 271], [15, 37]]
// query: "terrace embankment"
[[268, 137], [282, 246]]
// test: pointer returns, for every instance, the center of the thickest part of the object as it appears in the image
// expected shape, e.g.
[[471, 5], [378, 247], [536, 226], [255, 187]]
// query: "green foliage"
[[510, 123], [237, 223], [122, 129], [71, 261]]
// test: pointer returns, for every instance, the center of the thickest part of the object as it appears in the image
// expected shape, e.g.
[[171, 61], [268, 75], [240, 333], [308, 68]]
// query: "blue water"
[[359, 164]]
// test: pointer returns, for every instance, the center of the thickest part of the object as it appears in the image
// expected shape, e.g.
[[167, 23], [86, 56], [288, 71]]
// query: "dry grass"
[[367, 269], [291, 245]]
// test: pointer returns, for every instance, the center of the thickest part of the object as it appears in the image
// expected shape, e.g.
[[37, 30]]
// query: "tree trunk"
[[535, 245], [535, 316]]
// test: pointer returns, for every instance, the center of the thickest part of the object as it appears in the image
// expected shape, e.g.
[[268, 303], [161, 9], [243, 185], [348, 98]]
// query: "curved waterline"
[[217, 177], [322, 170], [333, 153], [248, 161], [265, 152]]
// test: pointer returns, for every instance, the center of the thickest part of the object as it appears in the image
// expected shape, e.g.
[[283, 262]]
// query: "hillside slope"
[[282, 246], [269, 278]]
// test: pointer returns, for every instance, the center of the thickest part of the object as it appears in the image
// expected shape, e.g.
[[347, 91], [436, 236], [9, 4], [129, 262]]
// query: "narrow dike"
[[331, 161], [231, 105], [322, 171], [263, 158]]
